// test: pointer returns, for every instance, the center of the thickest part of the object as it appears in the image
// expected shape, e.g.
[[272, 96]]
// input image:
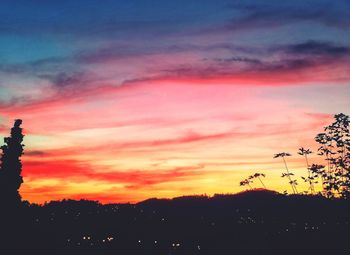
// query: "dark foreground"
[[258, 222]]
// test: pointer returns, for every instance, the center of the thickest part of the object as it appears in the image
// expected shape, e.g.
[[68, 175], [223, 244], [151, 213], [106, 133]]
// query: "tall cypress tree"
[[11, 166]]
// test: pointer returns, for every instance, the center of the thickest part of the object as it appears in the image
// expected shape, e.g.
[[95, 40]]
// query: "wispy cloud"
[[276, 13], [168, 97], [76, 171]]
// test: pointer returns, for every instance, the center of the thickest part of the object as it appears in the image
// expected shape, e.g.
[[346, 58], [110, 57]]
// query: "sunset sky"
[[126, 100]]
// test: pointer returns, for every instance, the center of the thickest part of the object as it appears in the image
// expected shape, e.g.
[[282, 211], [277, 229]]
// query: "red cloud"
[[66, 171], [71, 170]]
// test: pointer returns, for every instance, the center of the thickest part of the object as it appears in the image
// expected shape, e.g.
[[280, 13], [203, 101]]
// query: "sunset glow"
[[122, 102]]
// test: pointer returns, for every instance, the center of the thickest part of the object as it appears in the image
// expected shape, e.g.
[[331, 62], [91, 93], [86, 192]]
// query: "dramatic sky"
[[125, 100]]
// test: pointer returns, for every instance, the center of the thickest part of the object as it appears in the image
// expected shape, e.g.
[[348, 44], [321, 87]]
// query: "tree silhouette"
[[11, 166], [246, 182], [335, 147], [250, 179], [292, 182], [258, 176], [310, 179]]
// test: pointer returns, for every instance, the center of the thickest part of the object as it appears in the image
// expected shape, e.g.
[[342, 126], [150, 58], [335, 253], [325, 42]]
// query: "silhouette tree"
[[317, 171], [11, 167], [251, 178], [258, 176], [245, 182], [335, 147], [304, 152], [292, 182]]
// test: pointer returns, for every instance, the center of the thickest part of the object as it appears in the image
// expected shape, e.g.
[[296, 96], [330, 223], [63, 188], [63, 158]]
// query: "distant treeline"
[[222, 224]]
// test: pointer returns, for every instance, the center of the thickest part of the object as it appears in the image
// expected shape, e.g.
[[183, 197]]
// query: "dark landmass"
[[254, 222]]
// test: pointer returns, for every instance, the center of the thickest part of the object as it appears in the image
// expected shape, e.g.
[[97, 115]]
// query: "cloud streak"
[[136, 99]]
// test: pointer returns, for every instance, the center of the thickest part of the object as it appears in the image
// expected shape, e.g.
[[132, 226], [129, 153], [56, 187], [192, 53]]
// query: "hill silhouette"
[[251, 222]]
